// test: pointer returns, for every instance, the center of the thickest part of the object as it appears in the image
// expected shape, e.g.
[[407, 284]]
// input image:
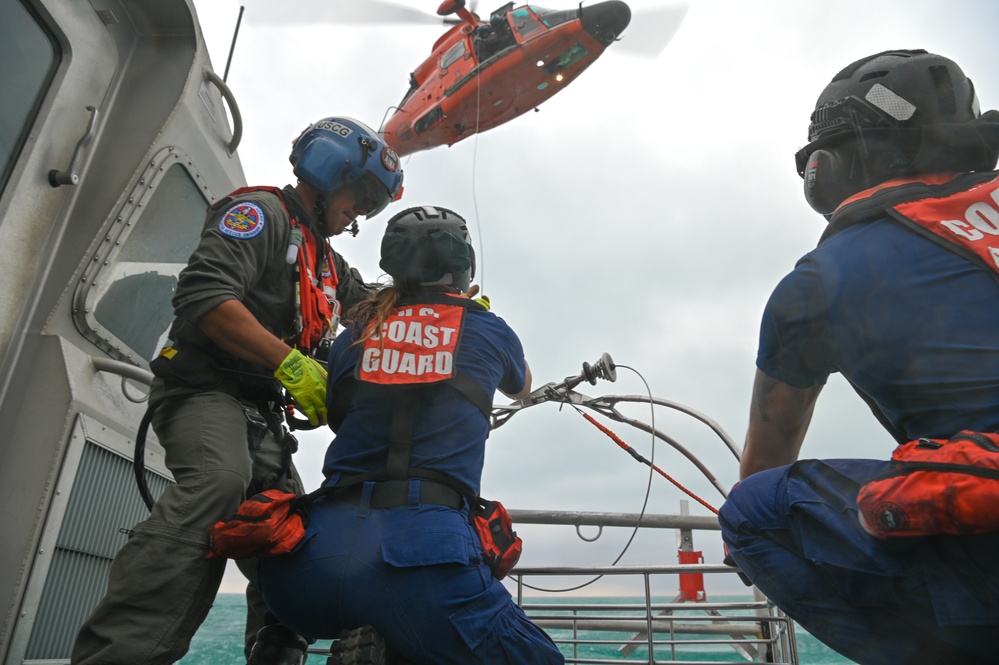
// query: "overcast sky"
[[647, 211]]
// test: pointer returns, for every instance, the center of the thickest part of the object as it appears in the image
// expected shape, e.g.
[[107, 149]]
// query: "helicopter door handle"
[[237, 119], [71, 176]]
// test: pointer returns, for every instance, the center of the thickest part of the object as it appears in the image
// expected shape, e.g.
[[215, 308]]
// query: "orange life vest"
[[416, 345], [968, 219], [318, 310]]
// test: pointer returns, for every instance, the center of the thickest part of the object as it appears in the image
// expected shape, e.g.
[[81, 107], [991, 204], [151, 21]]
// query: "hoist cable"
[[645, 502], [635, 454], [481, 259]]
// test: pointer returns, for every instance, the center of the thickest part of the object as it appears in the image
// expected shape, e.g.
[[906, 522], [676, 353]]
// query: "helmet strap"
[[319, 211]]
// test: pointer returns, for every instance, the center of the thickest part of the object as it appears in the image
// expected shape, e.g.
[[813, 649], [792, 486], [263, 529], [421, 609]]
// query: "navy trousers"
[[794, 531], [415, 573]]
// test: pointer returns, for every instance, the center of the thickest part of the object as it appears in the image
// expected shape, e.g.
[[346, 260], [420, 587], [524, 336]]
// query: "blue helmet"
[[337, 152]]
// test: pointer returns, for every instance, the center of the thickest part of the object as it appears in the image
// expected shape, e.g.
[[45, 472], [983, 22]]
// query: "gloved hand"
[[473, 291], [305, 379]]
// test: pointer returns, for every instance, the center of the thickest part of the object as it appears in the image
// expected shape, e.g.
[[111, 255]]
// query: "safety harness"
[[414, 353], [318, 310], [400, 361], [316, 318]]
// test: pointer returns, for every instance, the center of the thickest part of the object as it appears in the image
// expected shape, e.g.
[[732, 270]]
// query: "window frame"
[[31, 116], [100, 272]]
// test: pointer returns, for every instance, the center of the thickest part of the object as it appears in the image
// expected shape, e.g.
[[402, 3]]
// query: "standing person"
[[411, 388], [897, 299], [260, 295]]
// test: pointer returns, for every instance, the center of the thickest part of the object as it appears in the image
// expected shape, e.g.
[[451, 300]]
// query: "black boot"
[[276, 645], [360, 646]]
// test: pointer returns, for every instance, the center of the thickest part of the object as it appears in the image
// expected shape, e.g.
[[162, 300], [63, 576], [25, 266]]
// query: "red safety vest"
[[968, 219], [315, 297], [416, 345]]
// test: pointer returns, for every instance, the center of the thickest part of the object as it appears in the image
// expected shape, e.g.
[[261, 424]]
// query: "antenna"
[[232, 47]]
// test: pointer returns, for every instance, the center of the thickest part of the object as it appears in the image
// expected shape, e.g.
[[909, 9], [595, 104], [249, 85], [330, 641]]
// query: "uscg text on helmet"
[[335, 127]]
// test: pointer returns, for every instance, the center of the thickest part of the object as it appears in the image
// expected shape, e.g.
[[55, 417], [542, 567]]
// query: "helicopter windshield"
[[453, 55], [524, 22], [553, 17]]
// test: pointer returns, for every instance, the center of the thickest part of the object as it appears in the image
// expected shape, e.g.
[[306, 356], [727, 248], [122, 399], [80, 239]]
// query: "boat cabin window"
[[28, 59], [453, 55], [524, 22], [133, 293]]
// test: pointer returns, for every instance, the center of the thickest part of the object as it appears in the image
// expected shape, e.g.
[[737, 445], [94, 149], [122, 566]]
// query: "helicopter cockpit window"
[[28, 58], [453, 55], [524, 22], [132, 294], [424, 123], [553, 17], [568, 57]]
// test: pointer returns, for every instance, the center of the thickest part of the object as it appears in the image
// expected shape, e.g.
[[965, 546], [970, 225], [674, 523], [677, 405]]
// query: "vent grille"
[[104, 503]]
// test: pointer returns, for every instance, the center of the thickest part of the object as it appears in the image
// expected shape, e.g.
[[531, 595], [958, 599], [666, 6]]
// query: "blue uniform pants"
[[794, 532], [414, 573]]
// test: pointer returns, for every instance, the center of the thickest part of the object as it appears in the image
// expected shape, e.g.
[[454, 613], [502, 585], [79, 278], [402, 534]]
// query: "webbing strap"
[[401, 437], [475, 393]]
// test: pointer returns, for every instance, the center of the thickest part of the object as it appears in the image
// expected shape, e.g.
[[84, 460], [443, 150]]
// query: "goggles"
[[370, 194], [832, 122]]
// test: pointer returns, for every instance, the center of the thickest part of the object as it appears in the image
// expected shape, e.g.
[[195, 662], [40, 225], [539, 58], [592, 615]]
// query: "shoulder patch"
[[243, 221]]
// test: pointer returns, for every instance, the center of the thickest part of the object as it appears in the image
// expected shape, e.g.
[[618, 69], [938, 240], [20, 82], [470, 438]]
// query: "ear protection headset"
[[868, 125]]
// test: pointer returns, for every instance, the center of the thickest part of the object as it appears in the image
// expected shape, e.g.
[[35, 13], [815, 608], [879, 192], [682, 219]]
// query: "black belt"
[[395, 493]]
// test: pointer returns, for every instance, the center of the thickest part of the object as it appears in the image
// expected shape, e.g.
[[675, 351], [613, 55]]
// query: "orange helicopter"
[[482, 74]]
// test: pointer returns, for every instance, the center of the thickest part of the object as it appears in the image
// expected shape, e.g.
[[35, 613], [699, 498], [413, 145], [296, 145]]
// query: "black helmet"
[[894, 89], [428, 246], [869, 124]]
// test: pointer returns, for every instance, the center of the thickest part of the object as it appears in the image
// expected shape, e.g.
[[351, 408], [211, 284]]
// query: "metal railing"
[[689, 628]]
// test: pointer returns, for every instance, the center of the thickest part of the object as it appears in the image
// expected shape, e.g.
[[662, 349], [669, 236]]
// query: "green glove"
[[305, 379]]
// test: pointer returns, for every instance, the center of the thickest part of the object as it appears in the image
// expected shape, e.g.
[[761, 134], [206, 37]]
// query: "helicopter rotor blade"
[[651, 30], [306, 12]]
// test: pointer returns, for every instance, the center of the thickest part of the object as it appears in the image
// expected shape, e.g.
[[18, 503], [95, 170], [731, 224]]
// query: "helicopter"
[[482, 74]]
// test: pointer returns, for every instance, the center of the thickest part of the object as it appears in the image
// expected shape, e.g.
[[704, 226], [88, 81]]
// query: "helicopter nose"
[[605, 20]]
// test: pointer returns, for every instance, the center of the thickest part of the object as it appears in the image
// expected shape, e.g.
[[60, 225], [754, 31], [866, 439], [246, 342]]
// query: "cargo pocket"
[[474, 621], [497, 631], [427, 547]]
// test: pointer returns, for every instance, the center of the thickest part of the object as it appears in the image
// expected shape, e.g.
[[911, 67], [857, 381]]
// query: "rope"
[[481, 258], [631, 451]]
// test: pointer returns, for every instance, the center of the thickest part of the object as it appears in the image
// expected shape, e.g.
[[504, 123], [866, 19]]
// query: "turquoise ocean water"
[[220, 641]]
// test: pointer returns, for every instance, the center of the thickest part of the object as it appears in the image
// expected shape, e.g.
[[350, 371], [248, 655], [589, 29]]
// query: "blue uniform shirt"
[[912, 325], [449, 431]]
